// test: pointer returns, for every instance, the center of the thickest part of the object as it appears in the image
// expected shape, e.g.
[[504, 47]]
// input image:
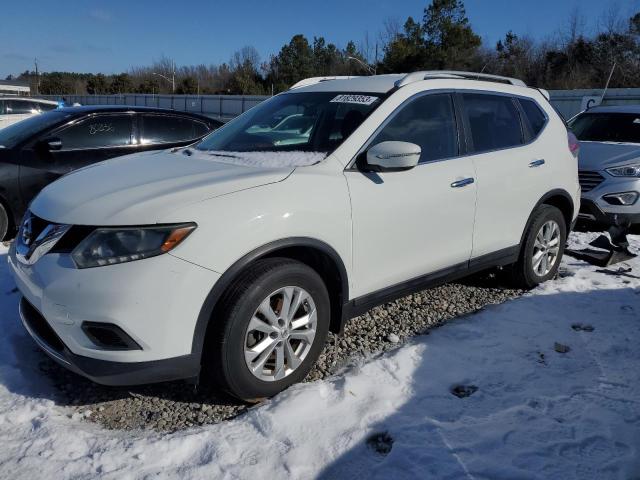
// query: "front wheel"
[[275, 323], [542, 248]]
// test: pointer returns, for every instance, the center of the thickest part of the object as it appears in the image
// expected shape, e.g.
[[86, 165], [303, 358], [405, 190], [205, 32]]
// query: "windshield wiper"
[[224, 155]]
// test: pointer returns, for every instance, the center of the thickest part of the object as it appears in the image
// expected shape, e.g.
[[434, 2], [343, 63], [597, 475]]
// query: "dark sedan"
[[40, 149]]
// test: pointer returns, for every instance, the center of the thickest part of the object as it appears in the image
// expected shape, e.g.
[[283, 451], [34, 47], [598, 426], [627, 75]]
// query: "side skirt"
[[362, 304]]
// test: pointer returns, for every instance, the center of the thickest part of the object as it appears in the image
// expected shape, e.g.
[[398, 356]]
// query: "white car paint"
[[35, 106], [405, 225]]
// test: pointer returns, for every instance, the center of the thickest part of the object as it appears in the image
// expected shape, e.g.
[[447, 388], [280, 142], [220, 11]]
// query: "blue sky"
[[111, 36]]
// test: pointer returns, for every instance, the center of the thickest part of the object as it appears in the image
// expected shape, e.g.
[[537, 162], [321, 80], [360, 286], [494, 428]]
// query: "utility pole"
[[35, 60]]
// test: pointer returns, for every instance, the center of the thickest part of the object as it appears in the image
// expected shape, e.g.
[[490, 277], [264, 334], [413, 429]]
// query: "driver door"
[[408, 224], [83, 142]]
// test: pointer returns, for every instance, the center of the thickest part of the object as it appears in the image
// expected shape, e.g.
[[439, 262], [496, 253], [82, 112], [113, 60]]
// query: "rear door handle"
[[462, 183], [536, 163]]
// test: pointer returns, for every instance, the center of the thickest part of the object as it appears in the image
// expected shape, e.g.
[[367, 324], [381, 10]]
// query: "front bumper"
[[155, 301], [591, 212], [102, 371], [594, 209]]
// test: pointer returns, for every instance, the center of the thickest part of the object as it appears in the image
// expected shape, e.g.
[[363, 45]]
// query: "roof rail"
[[439, 74], [313, 80]]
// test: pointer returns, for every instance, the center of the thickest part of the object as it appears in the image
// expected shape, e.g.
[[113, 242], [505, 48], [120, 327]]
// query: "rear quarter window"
[[534, 115]]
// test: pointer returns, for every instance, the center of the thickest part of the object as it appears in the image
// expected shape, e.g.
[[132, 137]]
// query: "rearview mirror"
[[393, 156]]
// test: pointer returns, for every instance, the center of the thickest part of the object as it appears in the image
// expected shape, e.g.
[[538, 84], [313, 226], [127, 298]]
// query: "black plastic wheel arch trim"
[[206, 312]]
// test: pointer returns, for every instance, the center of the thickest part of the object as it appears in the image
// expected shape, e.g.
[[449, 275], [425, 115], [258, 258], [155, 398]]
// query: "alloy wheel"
[[280, 333], [546, 248]]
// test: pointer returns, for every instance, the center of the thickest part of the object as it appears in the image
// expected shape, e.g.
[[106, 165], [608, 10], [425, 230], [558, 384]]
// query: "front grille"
[[39, 326], [589, 180]]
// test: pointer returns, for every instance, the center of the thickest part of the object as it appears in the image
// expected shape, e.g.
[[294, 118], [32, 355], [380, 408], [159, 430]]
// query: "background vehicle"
[[609, 164], [15, 109], [240, 254], [38, 150]]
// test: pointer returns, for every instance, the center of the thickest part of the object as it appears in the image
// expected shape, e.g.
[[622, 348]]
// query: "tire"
[[256, 295], [4, 223], [524, 272]]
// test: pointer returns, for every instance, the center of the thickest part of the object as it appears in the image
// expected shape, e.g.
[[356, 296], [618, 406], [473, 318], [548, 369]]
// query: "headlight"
[[626, 171], [109, 246]]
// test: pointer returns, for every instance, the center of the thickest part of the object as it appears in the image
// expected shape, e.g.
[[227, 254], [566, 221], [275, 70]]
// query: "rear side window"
[[2, 107], [18, 107], [494, 121], [536, 118], [428, 121], [97, 132], [168, 129]]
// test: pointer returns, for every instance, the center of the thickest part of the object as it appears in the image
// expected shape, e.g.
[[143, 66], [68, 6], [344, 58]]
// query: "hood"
[[142, 188], [601, 155]]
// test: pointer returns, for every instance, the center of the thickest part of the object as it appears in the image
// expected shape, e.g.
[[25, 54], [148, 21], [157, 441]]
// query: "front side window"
[[168, 129], [494, 121], [428, 121], [24, 130], [607, 127], [97, 132], [303, 121]]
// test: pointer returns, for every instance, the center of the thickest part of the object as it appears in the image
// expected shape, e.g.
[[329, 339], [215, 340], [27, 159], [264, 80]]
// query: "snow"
[[268, 159], [537, 413]]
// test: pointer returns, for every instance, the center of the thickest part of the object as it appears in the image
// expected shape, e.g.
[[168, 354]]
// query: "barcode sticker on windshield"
[[359, 99]]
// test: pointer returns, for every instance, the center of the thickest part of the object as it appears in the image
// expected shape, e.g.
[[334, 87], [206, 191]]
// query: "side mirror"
[[50, 144], [393, 156]]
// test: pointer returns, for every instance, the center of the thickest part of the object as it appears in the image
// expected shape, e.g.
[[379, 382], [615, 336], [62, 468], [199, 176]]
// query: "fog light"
[[626, 198]]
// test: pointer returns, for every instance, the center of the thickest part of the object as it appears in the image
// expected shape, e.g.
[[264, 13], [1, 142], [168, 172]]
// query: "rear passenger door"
[[510, 169]]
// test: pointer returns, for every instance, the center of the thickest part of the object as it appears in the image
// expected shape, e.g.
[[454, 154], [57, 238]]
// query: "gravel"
[[177, 405]]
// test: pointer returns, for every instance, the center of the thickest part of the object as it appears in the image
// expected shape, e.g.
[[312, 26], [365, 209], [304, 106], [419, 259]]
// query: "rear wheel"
[[542, 248], [4, 223], [275, 322]]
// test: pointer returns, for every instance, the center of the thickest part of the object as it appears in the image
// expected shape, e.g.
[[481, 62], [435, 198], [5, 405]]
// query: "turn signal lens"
[[175, 237]]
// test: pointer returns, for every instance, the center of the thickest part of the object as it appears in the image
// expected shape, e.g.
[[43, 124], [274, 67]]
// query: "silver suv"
[[609, 164]]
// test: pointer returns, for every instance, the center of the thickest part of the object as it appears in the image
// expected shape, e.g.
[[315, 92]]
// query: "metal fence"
[[225, 107]]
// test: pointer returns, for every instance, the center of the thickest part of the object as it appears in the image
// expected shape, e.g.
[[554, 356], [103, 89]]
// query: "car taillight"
[[574, 144]]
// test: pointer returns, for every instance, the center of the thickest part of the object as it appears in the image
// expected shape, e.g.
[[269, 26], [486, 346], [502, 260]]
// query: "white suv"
[[237, 256]]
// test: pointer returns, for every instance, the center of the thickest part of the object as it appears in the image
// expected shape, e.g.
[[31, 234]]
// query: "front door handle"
[[536, 163], [462, 183]]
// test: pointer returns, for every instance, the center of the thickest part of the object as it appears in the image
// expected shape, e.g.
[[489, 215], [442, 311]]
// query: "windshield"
[[13, 134], [607, 127], [309, 122]]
